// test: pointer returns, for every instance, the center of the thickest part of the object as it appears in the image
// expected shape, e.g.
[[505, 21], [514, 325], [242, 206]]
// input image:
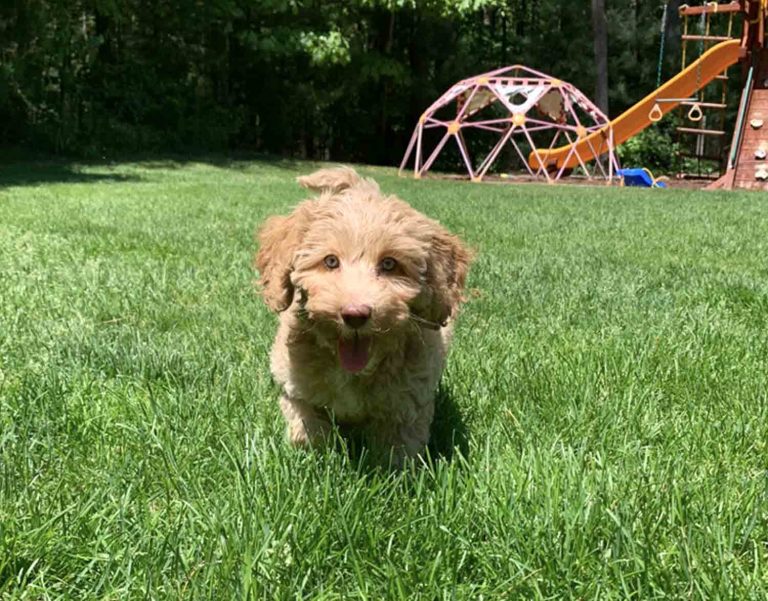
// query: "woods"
[[305, 78]]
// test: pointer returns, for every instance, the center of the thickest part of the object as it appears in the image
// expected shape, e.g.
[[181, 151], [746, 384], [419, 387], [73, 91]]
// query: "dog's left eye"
[[331, 261], [387, 264]]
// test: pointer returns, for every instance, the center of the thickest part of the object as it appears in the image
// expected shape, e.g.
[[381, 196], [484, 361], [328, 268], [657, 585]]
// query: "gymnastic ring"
[[655, 114], [695, 113]]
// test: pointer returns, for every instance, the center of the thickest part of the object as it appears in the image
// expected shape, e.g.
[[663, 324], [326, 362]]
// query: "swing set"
[[745, 165], [530, 99], [703, 37]]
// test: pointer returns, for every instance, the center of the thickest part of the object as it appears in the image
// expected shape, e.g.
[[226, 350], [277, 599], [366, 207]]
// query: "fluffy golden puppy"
[[366, 289]]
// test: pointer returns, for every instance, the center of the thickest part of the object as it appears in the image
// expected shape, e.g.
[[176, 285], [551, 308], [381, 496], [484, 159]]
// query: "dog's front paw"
[[306, 426], [309, 433]]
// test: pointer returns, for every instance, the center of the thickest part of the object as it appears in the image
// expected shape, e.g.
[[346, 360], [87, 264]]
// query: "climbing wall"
[[752, 165]]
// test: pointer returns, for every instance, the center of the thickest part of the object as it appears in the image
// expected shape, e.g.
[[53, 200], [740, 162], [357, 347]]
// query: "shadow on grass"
[[15, 570], [449, 430], [448, 436], [20, 169], [234, 160], [32, 173], [237, 160]]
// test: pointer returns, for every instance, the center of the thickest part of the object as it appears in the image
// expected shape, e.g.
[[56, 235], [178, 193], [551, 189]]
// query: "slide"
[[694, 77]]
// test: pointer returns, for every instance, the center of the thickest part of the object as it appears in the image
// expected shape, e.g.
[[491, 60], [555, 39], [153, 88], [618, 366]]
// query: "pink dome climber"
[[526, 109]]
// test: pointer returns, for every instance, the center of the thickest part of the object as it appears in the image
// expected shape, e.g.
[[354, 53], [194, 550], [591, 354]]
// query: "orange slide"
[[694, 77]]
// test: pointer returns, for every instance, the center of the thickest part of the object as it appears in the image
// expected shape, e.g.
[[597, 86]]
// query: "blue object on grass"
[[640, 177]]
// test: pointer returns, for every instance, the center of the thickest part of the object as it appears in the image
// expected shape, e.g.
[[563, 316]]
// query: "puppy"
[[366, 289]]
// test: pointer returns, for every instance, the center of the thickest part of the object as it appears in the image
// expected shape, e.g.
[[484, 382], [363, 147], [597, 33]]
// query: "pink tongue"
[[353, 353]]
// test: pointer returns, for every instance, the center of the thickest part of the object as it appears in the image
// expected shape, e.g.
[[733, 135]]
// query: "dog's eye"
[[331, 261], [387, 264]]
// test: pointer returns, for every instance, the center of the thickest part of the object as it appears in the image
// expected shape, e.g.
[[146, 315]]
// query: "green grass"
[[607, 399]]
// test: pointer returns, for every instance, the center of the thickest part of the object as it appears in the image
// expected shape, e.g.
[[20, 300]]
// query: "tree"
[[600, 36], [344, 80]]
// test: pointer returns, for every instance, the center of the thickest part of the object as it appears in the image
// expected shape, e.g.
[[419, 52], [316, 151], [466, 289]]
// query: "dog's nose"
[[355, 316]]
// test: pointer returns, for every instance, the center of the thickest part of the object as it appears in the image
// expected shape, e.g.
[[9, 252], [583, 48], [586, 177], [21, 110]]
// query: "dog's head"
[[362, 268]]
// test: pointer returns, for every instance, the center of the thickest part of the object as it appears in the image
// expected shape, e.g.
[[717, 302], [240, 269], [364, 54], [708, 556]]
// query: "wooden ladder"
[[704, 141]]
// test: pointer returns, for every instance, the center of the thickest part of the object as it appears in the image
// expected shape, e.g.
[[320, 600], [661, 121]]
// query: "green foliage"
[[652, 148], [326, 49], [346, 80]]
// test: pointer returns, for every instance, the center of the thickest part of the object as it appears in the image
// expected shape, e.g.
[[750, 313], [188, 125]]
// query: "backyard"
[[602, 428]]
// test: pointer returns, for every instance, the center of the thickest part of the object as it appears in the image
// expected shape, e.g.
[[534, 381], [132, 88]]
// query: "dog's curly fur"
[[353, 247]]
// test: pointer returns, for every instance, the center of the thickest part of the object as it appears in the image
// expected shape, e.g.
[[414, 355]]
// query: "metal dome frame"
[[548, 106]]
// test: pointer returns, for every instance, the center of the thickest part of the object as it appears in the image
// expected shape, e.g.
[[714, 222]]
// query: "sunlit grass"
[[603, 418]]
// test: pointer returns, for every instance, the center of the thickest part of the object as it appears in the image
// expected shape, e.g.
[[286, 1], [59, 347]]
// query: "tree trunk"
[[600, 35], [673, 32], [503, 60]]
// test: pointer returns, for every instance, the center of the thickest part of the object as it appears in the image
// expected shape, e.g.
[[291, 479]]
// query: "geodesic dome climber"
[[522, 113]]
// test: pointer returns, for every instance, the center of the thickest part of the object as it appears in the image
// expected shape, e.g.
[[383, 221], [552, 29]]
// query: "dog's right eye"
[[387, 264], [331, 261]]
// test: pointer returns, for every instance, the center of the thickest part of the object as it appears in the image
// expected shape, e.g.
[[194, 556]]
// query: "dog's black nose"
[[355, 316]]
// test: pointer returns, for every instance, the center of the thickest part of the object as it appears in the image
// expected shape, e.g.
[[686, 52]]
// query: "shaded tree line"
[[344, 80]]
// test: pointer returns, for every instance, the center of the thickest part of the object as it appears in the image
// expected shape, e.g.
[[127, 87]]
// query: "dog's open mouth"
[[354, 352]]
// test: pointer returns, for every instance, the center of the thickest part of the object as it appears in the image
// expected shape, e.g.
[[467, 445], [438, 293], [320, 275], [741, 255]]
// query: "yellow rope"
[[655, 181]]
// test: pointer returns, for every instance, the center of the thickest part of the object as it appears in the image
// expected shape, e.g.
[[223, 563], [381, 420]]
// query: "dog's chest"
[[346, 400], [393, 391]]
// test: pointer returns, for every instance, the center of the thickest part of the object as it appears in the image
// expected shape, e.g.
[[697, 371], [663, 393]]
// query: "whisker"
[[425, 322]]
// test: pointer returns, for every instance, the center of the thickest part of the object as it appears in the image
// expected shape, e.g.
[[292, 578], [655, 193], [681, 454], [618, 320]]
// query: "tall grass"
[[602, 421]]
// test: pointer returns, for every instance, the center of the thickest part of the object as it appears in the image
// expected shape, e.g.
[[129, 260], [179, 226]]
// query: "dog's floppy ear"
[[447, 269], [331, 180], [279, 238]]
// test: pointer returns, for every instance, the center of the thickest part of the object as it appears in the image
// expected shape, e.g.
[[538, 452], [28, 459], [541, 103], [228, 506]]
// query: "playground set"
[[533, 112]]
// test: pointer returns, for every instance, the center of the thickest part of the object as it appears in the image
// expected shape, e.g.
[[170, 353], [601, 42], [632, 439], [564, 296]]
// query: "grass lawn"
[[602, 429]]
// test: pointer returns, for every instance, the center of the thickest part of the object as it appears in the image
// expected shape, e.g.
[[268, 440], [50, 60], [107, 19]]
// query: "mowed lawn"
[[602, 421]]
